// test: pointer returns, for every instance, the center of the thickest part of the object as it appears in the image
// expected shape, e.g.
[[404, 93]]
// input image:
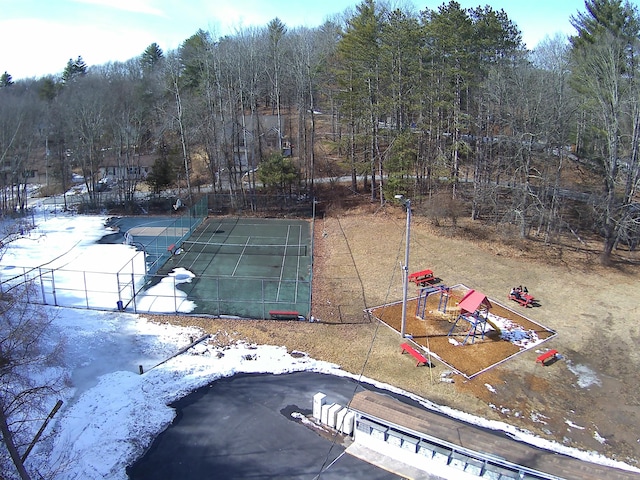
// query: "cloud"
[[100, 44], [134, 6]]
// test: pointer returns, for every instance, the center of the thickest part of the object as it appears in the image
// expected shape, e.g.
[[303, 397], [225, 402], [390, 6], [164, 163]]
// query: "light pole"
[[405, 268]]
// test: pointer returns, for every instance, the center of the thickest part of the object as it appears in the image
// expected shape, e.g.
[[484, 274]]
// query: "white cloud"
[[97, 44], [35, 57], [135, 6]]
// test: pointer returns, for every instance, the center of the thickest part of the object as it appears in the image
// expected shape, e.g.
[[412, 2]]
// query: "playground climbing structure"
[[474, 309]]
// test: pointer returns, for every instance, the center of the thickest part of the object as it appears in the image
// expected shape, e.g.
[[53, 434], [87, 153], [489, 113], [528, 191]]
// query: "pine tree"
[[151, 57], [74, 69], [193, 59], [358, 75], [6, 80], [278, 173]]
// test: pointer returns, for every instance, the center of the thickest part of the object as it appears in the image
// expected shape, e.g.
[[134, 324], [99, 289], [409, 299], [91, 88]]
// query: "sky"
[[98, 431], [42, 35]]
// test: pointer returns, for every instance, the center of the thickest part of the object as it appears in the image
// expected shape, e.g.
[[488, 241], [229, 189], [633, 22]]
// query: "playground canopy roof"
[[472, 301]]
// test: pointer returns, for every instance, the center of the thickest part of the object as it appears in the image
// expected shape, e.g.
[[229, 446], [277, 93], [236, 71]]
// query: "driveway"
[[242, 427]]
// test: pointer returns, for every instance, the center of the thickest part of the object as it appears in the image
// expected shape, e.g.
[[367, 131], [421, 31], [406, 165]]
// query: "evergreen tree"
[[151, 57], [47, 88], [164, 171], [75, 68], [193, 59], [400, 60], [358, 76], [614, 16], [278, 173], [276, 31], [450, 45], [6, 80]]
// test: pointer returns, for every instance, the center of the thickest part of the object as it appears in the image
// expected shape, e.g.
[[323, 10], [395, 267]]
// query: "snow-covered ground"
[[111, 413]]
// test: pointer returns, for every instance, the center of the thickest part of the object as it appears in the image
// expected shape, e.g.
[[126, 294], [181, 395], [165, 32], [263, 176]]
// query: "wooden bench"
[[422, 277], [284, 314], [416, 354], [551, 354]]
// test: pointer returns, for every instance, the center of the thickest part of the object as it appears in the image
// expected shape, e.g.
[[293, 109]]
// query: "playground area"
[[462, 328]]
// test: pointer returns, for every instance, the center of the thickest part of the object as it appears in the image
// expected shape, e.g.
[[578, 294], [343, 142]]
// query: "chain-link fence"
[[135, 286]]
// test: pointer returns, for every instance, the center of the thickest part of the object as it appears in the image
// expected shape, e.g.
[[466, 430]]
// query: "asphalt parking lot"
[[242, 427]]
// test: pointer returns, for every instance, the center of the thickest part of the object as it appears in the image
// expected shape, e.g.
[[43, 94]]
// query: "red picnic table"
[[522, 298], [422, 277]]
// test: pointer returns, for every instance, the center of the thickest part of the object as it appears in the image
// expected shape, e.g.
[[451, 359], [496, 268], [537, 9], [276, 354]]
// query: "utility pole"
[[405, 268]]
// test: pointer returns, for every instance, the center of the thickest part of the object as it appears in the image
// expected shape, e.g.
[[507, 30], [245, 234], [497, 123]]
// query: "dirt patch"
[[588, 400]]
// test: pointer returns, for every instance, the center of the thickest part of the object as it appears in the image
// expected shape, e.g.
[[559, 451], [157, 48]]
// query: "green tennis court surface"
[[246, 267]]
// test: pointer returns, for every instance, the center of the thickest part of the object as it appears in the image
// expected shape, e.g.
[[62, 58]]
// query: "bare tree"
[[551, 57], [26, 349], [20, 117], [86, 102], [126, 126], [604, 67]]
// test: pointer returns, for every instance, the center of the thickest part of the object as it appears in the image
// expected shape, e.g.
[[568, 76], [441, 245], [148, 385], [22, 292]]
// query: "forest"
[[445, 106]]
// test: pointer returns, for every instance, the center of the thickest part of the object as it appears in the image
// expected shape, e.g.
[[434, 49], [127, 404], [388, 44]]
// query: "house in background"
[[116, 169]]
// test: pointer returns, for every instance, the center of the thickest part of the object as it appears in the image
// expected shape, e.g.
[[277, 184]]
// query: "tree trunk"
[[7, 437], [183, 141], [352, 156]]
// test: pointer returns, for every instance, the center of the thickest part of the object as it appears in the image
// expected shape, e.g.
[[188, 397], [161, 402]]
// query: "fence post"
[[53, 288], [86, 292], [175, 296], [119, 302], [134, 292]]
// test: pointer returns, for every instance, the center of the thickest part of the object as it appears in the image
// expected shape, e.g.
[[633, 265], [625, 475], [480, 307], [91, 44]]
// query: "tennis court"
[[245, 267], [151, 234]]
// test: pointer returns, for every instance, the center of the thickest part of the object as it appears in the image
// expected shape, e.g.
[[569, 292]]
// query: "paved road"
[[241, 427]]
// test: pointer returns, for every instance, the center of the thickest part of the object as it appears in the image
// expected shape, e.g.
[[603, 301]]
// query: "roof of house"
[[142, 160]]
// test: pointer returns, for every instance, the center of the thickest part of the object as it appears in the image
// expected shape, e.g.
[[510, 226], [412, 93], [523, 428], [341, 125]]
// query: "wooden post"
[[44, 425]]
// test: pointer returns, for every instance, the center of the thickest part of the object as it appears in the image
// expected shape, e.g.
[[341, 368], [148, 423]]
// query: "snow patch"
[[586, 376]]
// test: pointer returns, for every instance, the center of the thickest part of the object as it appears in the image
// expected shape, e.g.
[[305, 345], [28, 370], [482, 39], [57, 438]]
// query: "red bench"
[[422, 277], [417, 355], [284, 314], [553, 354], [171, 248]]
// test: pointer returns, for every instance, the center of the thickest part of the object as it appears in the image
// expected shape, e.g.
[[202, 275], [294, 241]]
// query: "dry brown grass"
[[357, 266]]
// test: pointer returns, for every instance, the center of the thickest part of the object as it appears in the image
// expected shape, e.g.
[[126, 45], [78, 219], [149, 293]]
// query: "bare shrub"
[[443, 207], [29, 386]]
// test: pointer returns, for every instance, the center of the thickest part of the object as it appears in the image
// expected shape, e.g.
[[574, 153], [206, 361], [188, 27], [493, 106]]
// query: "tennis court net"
[[244, 249]]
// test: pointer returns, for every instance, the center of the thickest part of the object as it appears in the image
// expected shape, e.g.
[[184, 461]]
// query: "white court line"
[[298, 265], [284, 257], [240, 257]]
